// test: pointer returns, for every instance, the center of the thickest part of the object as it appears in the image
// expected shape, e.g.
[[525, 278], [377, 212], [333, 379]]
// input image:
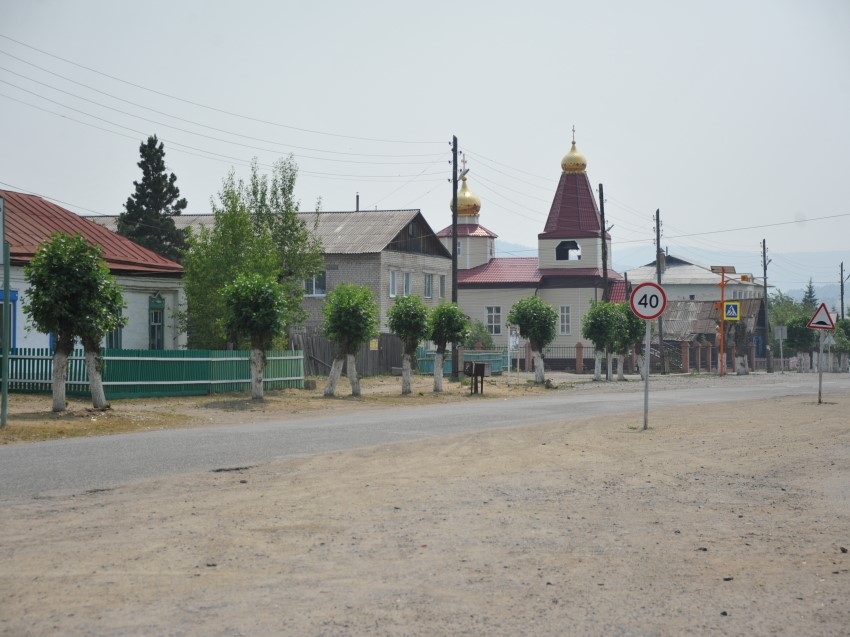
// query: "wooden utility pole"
[[843, 279], [658, 255], [768, 354], [454, 248], [602, 232]]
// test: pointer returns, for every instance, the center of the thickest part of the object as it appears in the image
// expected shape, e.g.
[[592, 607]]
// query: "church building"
[[567, 272]]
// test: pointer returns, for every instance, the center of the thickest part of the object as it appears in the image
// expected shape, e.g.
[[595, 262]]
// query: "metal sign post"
[[781, 333], [821, 320], [648, 301]]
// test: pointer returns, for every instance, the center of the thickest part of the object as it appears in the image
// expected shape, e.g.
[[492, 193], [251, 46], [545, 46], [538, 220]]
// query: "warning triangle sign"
[[821, 320]]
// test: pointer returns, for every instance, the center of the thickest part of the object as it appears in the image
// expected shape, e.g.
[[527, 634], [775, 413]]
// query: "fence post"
[[686, 356], [579, 358]]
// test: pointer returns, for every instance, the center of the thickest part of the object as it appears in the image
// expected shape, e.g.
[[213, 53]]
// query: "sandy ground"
[[733, 520]]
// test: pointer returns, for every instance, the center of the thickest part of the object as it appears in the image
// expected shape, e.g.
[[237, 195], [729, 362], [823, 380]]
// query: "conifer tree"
[[148, 217], [810, 299]]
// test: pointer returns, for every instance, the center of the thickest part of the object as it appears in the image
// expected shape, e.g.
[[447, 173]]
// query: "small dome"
[[468, 203], [574, 161]]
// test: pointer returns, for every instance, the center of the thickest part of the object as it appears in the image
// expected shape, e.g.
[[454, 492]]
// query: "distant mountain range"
[[806, 265]]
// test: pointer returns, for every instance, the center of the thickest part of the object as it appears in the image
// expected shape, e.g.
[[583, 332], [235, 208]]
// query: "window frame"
[[428, 285], [310, 290], [568, 323], [494, 319], [393, 283]]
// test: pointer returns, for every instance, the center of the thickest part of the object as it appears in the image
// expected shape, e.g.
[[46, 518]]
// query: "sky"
[[732, 118]]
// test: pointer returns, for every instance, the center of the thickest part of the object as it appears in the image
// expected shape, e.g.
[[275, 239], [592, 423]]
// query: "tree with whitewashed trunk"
[[408, 319], [630, 331], [257, 308], [537, 322], [72, 294], [446, 324], [599, 326], [350, 319]]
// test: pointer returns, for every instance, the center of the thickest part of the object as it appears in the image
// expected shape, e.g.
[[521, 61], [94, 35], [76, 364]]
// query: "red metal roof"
[[617, 291], [30, 220], [573, 214], [467, 230], [502, 270]]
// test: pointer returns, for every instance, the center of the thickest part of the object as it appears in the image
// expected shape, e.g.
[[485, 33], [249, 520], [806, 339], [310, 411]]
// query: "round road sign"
[[648, 301]]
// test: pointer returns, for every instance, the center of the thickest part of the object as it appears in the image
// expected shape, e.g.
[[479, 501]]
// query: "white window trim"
[[393, 283], [428, 290], [569, 326]]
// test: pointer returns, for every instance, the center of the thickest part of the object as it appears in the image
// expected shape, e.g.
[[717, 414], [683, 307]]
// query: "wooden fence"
[[141, 373], [377, 357]]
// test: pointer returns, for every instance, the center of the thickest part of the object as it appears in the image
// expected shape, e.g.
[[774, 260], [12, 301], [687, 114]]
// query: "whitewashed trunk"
[[609, 361], [621, 363], [257, 374], [60, 368], [438, 372], [98, 396], [741, 366], [333, 377], [641, 362], [405, 374], [597, 365], [539, 376], [351, 364]]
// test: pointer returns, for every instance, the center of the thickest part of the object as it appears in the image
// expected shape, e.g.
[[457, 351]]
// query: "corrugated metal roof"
[[348, 232], [30, 220], [678, 271], [686, 320], [573, 214]]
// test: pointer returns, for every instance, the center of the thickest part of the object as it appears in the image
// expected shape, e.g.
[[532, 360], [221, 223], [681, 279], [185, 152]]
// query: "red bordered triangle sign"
[[821, 320]]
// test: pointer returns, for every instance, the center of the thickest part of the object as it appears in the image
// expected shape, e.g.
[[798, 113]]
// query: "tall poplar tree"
[[148, 217]]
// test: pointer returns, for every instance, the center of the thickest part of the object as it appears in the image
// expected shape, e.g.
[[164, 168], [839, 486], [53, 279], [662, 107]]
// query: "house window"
[[113, 338], [494, 319], [562, 251], [315, 285], [156, 312], [429, 285], [13, 304], [442, 286], [393, 283], [407, 284], [458, 247], [565, 320]]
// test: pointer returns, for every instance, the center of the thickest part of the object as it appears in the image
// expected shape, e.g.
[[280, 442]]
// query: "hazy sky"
[[731, 117]]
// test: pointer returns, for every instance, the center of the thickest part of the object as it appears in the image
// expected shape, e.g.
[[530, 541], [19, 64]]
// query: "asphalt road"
[[77, 465]]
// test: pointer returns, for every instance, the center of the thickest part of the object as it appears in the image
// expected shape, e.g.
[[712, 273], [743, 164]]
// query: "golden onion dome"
[[574, 161], [468, 203]]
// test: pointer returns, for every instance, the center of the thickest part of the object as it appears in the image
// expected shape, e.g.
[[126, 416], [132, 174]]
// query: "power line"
[[212, 108]]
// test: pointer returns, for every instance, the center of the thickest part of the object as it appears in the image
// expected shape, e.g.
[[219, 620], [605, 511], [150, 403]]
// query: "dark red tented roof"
[[617, 291], [573, 214], [30, 220]]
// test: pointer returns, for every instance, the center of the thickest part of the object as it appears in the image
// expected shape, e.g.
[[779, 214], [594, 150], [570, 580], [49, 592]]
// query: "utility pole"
[[454, 248], [768, 354], [658, 254], [843, 279], [602, 232]]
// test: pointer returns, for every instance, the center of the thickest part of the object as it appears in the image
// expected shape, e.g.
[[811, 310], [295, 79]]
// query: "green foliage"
[[783, 308], [842, 335], [800, 337], [72, 293], [600, 325], [256, 230], [536, 319], [350, 317], [255, 307], [148, 217], [217, 256], [408, 319], [810, 299], [630, 329], [479, 333], [448, 324]]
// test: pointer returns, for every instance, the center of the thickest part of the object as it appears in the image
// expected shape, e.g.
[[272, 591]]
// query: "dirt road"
[[733, 520]]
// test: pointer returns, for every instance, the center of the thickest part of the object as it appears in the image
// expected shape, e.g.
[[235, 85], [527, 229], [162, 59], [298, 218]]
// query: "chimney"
[[357, 203]]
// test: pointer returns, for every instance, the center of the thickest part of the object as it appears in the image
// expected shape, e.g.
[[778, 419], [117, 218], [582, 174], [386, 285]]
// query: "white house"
[[153, 289]]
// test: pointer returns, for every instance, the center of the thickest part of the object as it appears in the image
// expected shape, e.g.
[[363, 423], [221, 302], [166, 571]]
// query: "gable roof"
[[30, 220], [573, 214], [347, 232], [467, 230], [679, 271]]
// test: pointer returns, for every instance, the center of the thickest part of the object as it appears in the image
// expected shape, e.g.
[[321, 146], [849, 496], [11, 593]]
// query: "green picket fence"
[[143, 373]]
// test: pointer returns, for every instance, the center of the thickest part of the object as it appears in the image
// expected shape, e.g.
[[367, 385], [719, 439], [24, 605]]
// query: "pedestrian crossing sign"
[[732, 310]]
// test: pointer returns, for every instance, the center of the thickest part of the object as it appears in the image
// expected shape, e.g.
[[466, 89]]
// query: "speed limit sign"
[[648, 301]]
